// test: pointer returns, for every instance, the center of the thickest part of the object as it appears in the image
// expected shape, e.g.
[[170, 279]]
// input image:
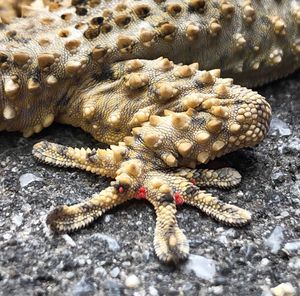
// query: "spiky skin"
[[141, 166], [44, 59], [88, 68]]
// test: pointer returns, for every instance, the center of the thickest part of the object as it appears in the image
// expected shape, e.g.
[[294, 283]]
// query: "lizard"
[[101, 69]]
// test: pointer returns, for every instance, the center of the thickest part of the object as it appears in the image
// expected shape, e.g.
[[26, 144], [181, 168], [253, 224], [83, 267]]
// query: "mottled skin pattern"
[[10, 9], [100, 69]]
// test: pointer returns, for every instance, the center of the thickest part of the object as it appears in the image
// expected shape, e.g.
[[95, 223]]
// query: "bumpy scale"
[[47, 62], [86, 66], [10, 9], [220, 118]]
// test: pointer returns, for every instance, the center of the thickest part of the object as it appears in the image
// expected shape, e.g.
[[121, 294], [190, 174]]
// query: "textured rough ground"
[[31, 260]]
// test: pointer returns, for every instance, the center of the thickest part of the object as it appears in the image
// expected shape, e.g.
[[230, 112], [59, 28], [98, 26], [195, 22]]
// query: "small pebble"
[[112, 288], [28, 178], [284, 289], [240, 194], [112, 243], [70, 275], [266, 291], [17, 219], [226, 236], [126, 263], [274, 241], [69, 240], [217, 290], [114, 272], [294, 263], [7, 236], [202, 267], [107, 218], [153, 291], [284, 214], [264, 262], [100, 271], [292, 245], [278, 126], [81, 261], [84, 287], [277, 176], [132, 281]]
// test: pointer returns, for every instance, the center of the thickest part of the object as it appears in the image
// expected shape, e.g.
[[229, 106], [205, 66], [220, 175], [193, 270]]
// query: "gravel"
[[275, 240], [132, 281], [115, 256]]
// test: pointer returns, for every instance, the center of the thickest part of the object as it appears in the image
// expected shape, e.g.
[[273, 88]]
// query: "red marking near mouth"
[[121, 189], [178, 199], [141, 193]]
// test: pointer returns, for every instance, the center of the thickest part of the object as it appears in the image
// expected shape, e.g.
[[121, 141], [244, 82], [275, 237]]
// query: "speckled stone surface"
[[115, 256]]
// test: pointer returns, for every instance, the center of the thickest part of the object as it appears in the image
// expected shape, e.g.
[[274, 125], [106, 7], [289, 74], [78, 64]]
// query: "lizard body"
[[45, 58]]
